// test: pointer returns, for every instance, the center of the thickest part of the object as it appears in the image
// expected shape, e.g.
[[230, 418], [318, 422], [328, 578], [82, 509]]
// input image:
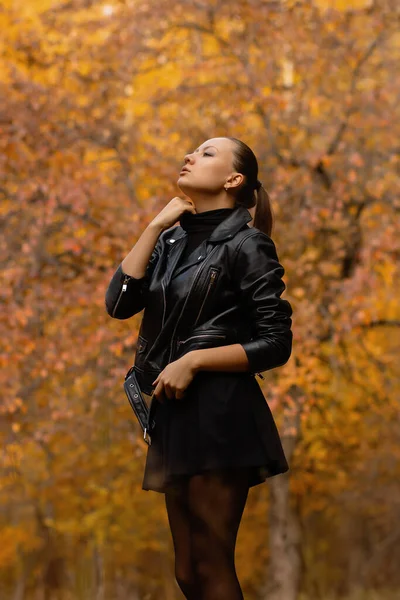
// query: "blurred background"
[[100, 101]]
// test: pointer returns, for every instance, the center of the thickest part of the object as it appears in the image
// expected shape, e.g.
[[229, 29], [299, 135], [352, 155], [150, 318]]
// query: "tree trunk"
[[98, 568], [285, 564], [20, 583]]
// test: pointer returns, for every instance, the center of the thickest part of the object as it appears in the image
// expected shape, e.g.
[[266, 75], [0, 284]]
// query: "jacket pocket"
[[212, 278], [141, 347]]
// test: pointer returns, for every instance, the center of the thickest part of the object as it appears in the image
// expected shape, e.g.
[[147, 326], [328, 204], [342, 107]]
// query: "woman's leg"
[[178, 517], [216, 500]]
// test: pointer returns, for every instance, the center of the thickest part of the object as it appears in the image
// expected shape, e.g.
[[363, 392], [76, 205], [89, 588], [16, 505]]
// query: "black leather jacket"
[[228, 292]]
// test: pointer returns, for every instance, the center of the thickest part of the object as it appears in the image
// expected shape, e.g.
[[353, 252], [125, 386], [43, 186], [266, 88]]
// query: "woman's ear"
[[235, 180]]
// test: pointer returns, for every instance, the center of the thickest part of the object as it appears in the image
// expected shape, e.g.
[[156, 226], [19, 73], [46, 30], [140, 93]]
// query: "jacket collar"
[[225, 230]]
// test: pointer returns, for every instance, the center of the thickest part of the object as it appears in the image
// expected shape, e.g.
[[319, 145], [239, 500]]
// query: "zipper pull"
[[123, 289], [125, 284], [261, 376]]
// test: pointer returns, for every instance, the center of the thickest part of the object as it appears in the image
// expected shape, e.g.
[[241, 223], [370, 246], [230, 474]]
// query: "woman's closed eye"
[[207, 154]]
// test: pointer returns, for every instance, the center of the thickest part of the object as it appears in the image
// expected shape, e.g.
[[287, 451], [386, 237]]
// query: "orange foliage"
[[101, 102]]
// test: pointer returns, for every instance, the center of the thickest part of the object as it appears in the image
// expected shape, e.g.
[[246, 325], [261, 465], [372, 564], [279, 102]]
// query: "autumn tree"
[[100, 104]]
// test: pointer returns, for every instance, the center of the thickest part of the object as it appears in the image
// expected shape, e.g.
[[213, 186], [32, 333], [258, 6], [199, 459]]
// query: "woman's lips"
[[184, 171]]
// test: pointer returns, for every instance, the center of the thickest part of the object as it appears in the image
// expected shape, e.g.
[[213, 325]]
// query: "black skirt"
[[223, 421]]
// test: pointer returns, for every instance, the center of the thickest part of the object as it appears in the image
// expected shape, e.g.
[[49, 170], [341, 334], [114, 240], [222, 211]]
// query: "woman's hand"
[[171, 213], [175, 378]]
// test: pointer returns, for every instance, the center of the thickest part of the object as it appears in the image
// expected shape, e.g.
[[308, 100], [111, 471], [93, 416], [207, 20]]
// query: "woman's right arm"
[[126, 292], [125, 295]]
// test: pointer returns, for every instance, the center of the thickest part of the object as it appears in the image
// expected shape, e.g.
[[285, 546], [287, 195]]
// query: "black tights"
[[204, 513]]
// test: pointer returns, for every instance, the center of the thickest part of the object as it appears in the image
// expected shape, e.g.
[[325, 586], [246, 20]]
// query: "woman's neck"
[[208, 219]]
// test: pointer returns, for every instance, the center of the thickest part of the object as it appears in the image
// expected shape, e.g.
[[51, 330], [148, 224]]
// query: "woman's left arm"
[[257, 274]]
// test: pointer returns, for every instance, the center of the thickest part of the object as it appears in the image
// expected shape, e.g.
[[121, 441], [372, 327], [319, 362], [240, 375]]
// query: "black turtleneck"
[[200, 226]]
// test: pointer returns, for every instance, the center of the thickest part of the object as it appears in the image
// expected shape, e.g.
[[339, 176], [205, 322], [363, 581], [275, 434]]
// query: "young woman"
[[213, 318]]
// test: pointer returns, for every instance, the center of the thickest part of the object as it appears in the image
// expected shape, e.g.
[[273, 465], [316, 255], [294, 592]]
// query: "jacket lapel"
[[225, 230], [194, 258]]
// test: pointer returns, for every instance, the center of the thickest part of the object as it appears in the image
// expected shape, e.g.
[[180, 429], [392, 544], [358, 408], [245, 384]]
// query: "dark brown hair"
[[245, 162]]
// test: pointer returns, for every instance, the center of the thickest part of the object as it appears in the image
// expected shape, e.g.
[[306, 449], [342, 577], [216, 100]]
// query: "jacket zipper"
[[165, 303], [163, 286], [179, 342], [212, 281], [123, 289], [187, 297]]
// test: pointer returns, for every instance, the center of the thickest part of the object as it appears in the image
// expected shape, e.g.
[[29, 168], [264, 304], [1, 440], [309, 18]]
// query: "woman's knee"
[[211, 553], [178, 516], [206, 570], [186, 579]]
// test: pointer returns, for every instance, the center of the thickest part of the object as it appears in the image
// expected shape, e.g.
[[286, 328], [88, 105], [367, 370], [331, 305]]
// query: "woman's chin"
[[182, 184]]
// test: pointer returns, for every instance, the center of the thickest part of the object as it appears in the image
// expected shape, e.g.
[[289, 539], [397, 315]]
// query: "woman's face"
[[209, 168]]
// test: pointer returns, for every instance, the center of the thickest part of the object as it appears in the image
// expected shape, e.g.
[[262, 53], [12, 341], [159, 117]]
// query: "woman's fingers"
[[163, 391], [179, 394], [169, 391], [158, 392]]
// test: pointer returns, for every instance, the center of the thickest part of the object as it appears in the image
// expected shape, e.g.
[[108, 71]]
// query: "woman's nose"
[[188, 158]]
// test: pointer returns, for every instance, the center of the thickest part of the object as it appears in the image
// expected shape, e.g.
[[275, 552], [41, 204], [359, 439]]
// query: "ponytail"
[[263, 218], [252, 192]]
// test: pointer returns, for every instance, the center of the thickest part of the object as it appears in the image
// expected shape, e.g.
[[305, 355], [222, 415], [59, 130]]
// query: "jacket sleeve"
[[124, 301], [258, 276]]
